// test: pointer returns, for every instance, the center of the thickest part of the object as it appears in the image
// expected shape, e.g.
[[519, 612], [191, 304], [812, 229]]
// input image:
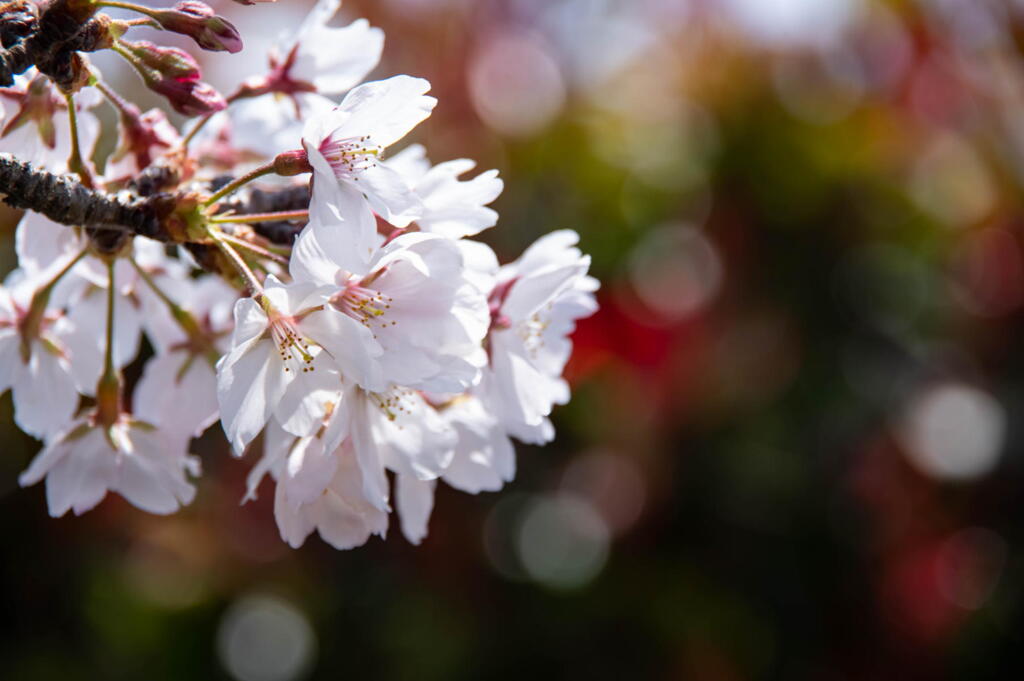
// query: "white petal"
[[457, 209], [40, 242], [10, 356], [386, 110], [44, 393], [303, 405], [266, 125], [344, 516], [250, 321], [411, 163], [415, 499], [389, 195], [340, 235], [276, 445], [152, 476], [307, 472], [335, 59], [367, 455], [250, 383], [82, 477], [349, 344], [531, 293], [178, 392], [293, 522]]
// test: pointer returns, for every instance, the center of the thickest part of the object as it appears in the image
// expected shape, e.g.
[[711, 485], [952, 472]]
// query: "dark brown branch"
[[50, 40], [63, 199]]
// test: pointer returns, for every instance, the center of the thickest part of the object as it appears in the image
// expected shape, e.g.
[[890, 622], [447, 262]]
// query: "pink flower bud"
[[198, 21], [192, 98], [174, 74], [169, 62]]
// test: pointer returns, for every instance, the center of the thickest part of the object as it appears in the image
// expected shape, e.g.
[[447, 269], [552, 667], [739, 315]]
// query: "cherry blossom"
[[133, 457], [345, 145], [36, 125], [339, 308], [427, 322], [36, 351], [451, 207], [317, 63], [287, 351], [534, 307]]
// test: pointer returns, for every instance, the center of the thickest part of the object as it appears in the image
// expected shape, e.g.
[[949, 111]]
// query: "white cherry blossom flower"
[[286, 353], [319, 486], [133, 457], [451, 207], [534, 308], [400, 430], [317, 63], [36, 352], [345, 145], [35, 122], [426, 319], [334, 481], [332, 60]]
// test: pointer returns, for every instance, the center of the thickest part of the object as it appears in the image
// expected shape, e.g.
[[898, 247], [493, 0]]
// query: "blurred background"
[[793, 449]]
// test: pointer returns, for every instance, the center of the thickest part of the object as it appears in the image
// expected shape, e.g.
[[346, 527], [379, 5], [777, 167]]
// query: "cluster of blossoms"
[[358, 329]]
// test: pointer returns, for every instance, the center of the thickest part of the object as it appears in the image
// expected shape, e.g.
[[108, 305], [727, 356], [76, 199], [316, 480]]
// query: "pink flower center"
[[350, 156], [363, 304], [292, 346]]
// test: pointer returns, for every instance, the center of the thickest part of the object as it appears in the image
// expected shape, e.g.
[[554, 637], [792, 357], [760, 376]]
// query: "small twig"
[[256, 249], [253, 218], [240, 182]]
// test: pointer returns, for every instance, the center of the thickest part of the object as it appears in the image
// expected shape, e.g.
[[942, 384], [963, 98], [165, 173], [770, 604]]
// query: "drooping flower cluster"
[[361, 333]]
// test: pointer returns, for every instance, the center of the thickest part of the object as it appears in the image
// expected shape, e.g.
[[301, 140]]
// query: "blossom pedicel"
[[342, 313]]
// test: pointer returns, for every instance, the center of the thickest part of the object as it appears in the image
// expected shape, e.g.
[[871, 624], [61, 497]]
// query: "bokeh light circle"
[[265, 638], [562, 542], [954, 431]]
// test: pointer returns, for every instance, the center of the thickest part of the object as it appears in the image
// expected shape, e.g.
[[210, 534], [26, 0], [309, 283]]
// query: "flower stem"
[[108, 391], [123, 107], [255, 287], [252, 218], [33, 320], [254, 248], [202, 122], [195, 130], [125, 5], [238, 183], [75, 162], [128, 56]]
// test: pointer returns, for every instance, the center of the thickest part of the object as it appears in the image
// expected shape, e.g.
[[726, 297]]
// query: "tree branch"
[[49, 40], [64, 199]]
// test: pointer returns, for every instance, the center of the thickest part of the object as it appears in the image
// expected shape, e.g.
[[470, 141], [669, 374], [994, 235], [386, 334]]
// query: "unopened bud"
[[198, 21], [192, 98], [174, 74], [169, 62], [290, 163]]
